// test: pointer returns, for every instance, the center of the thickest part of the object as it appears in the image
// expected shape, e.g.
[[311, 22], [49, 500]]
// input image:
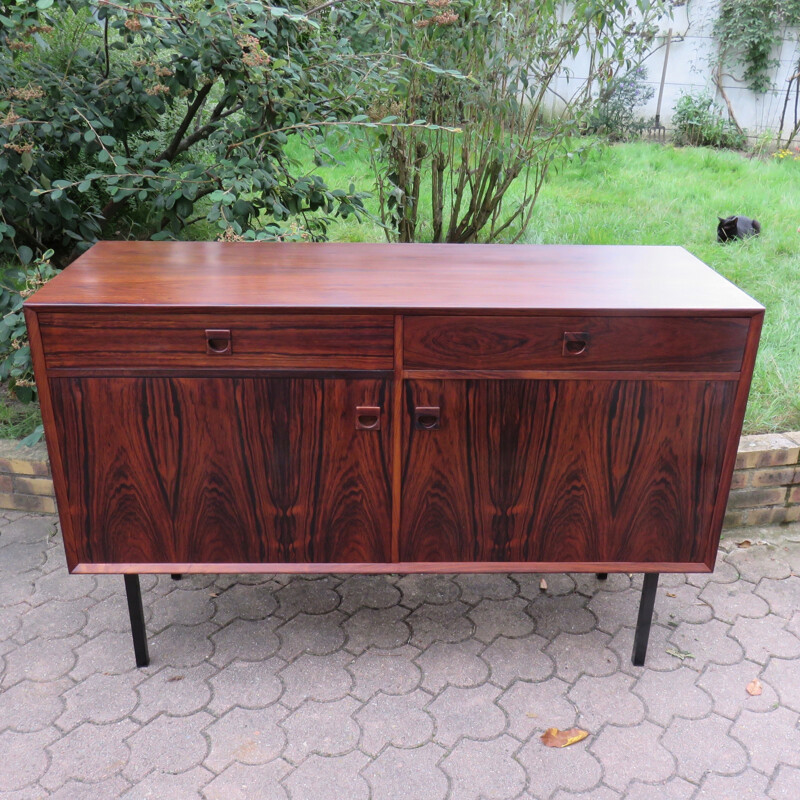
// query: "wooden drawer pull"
[[427, 418], [575, 343], [368, 418], [218, 342]]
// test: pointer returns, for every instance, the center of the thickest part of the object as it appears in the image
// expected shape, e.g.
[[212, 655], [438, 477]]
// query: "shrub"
[[16, 368], [699, 121], [498, 62], [147, 120], [614, 114]]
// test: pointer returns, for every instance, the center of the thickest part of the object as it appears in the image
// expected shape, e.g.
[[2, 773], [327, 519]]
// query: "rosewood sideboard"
[[251, 407]]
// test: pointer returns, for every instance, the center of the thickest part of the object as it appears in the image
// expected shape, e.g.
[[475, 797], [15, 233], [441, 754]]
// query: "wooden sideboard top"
[[392, 277]]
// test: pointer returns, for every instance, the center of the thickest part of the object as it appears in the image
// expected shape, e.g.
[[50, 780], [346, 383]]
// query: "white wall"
[[689, 70]]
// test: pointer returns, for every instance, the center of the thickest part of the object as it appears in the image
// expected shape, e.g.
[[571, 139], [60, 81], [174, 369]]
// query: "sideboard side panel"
[[53, 444], [219, 470], [733, 434]]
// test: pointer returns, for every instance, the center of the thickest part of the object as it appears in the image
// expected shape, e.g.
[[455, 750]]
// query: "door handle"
[[575, 343], [427, 418], [368, 418], [218, 342]]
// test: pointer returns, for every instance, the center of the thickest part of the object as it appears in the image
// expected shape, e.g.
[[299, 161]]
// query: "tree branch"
[[204, 130], [105, 46], [331, 3], [723, 93], [173, 148]]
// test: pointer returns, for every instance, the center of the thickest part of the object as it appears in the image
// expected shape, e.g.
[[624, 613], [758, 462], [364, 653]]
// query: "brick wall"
[[765, 488], [25, 483], [766, 483]]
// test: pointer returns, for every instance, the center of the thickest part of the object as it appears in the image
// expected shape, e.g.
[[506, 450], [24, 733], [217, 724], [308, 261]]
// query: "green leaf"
[[183, 207], [25, 254], [33, 438], [22, 356], [43, 4], [24, 395]]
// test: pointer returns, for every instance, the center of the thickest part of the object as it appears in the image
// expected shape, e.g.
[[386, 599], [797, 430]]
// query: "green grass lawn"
[[645, 193], [17, 420]]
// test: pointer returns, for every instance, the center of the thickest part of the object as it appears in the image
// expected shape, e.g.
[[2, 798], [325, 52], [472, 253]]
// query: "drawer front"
[[81, 340], [575, 343]]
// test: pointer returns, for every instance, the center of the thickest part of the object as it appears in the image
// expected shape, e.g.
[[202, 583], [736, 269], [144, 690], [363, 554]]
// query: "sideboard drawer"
[[691, 344], [324, 341]]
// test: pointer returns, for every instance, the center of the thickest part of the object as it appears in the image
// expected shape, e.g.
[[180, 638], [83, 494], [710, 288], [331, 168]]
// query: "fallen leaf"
[[553, 737], [754, 688], [175, 678], [214, 594], [542, 585], [671, 594], [532, 715], [745, 543], [678, 653]]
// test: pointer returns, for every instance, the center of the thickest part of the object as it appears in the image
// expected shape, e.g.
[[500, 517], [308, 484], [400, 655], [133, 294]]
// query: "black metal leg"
[[176, 576], [601, 576], [134, 592], [646, 603]]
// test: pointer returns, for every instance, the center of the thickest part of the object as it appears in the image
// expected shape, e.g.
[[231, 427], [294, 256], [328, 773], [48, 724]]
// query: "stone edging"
[[25, 482], [765, 488], [766, 483]]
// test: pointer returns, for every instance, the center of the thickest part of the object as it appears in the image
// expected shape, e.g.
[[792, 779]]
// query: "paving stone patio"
[[412, 688]]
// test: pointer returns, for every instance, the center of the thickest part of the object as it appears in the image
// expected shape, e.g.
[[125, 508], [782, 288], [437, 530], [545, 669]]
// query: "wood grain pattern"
[[564, 471], [401, 567], [565, 374], [733, 433], [400, 278], [54, 451], [74, 340], [224, 470], [618, 343], [397, 441]]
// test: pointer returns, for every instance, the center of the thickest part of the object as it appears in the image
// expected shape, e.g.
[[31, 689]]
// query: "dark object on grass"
[[737, 227]]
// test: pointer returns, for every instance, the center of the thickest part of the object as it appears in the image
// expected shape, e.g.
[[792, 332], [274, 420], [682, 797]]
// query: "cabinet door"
[[563, 471], [225, 470]]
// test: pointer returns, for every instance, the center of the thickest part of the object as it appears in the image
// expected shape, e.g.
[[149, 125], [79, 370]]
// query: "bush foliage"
[[515, 115], [699, 121], [614, 114], [141, 121]]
